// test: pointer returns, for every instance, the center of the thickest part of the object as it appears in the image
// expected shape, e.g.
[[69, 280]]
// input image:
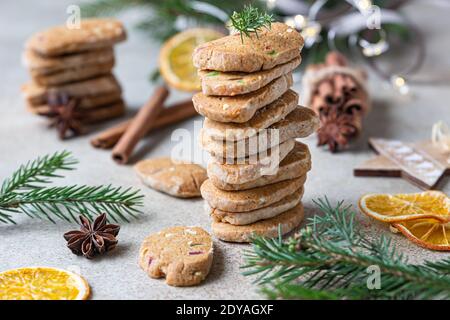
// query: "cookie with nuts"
[[245, 218], [241, 108], [216, 83], [40, 65], [182, 255], [270, 228], [228, 177], [251, 199], [259, 51], [178, 179], [300, 123], [90, 35]]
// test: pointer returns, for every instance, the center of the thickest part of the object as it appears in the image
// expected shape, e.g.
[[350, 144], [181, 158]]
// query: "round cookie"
[[266, 228], [218, 83], [41, 65], [183, 255], [263, 118], [179, 179], [294, 165], [249, 169], [252, 199], [80, 73], [300, 123], [243, 107], [92, 34], [260, 51], [243, 218]]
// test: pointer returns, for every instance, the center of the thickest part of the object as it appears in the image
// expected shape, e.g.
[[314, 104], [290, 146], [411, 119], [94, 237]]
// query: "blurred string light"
[[399, 84], [370, 49], [271, 4], [364, 6], [310, 28]]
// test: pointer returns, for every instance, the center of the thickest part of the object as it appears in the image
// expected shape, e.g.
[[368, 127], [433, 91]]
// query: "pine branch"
[[330, 258], [108, 7], [24, 193], [160, 22], [34, 173], [250, 20]]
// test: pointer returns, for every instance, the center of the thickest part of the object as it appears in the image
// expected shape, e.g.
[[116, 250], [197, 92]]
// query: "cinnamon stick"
[[325, 89], [169, 115], [335, 59], [140, 125], [338, 90], [109, 137]]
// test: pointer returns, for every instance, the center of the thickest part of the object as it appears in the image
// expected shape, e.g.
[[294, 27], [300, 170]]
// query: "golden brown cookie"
[[300, 123], [248, 169], [80, 73], [287, 221], [243, 107], [103, 113], [92, 34], [263, 118], [244, 218], [89, 102], [92, 115], [249, 200], [37, 95], [183, 255], [262, 51], [216, 83], [179, 179], [41, 65], [297, 163]]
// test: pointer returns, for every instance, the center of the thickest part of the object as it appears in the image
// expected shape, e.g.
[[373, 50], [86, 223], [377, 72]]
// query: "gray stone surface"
[[117, 275]]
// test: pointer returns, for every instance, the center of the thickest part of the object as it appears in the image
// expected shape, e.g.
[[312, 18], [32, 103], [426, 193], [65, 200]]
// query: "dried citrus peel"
[[405, 207], [42, 283], [426, 233], [424, 218], [175, 58]]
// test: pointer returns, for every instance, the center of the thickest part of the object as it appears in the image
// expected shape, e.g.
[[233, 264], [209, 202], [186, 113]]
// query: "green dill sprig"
[[250, 20], [330, 259], [27, 191]]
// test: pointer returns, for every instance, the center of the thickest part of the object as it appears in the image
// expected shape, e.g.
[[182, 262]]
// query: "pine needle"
[[250, 20], [330, 259], [27, 191]]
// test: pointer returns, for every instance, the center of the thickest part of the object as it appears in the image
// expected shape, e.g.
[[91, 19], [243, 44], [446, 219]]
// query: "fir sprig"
[[250, 20], [329, 259], [27, 192], [160, 19], [38, 171]]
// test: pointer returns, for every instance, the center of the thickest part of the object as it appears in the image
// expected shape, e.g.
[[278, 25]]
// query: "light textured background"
[[117, 275]]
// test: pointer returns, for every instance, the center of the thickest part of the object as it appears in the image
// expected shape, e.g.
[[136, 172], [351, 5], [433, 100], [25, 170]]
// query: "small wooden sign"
[[420, 163]]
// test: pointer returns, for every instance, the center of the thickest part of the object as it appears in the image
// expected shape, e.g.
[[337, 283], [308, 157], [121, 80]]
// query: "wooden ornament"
[[423, 164]]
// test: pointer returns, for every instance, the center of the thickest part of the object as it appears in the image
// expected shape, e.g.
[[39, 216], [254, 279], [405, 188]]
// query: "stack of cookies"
[[75, 61], [257, 169]]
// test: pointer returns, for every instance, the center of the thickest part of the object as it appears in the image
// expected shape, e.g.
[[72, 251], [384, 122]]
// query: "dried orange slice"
[[42, 283], [426, 233], [406, 207], [175, 58]]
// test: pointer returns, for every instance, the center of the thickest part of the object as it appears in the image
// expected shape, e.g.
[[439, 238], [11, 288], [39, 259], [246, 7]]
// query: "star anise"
[[64, 114], [93, 238], [336, 129]]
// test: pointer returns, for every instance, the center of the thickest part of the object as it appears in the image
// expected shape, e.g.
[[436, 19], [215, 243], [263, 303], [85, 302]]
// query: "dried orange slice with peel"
[[175, 58], [406, 207], [42, 283], [426, 233]]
